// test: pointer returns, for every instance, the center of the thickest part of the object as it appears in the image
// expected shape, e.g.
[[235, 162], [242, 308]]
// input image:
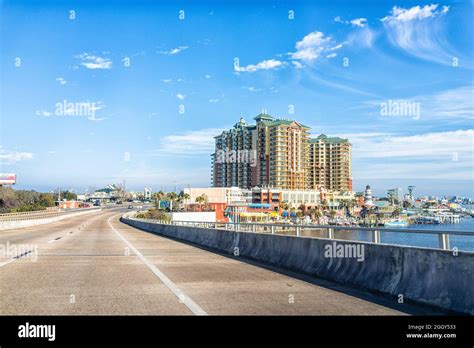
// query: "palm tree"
[[324, 205], [347, 204], [302, 208], [158, 196], [172, 197], [200, 199], [318, 215], [396, 212]]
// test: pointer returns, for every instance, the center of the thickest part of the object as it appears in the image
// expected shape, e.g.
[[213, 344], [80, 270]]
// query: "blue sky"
[[136, 63]]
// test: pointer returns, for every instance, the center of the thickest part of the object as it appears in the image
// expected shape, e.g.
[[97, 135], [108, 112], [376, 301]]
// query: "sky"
[[94, 93]]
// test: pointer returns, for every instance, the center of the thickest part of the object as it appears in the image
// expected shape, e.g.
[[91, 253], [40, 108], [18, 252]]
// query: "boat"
[[396, 223], [426, 220]]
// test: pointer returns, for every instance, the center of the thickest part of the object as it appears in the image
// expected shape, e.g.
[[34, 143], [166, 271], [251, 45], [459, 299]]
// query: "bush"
[[158, 215]]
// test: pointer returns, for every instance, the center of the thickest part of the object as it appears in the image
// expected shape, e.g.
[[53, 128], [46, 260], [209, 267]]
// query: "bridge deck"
[[89, 265]]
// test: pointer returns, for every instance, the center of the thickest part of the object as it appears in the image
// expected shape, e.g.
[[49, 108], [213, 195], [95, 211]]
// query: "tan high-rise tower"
[[283, 157], [330, 163]]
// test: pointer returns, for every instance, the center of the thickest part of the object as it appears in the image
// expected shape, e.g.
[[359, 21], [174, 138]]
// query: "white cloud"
[[207, 76], [213, 101], [335, 47], [167, 80], [263, 65], [423, 146], [252, 89], [452, 104], [356, 22], [310, 47], [96, 119], [433, 155], [456, 102], [174, 51], [61, 80], [200, 142], [180, 96], [404, 15], [419, 32], [361, 38], [297, 64], [332, 55], [10, 157], [94, 62], [359, 22]]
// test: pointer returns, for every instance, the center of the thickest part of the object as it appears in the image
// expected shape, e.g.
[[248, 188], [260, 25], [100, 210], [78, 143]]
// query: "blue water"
[[465, 243]]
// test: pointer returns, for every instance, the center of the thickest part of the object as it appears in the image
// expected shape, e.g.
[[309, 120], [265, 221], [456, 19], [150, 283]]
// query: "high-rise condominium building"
[[278, 153], [235, 156], [330, 163], [282, 149]]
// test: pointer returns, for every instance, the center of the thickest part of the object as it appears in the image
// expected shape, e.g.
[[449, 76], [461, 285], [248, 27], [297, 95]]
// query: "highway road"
[[94, 264]]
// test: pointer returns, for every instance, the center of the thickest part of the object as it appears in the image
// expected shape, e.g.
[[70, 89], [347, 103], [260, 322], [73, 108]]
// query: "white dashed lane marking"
[[183, 298]]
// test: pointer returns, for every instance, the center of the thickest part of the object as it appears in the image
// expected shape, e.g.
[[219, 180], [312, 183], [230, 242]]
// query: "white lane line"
[[54, 240], [15, 258], [183, 298], [6, 262]]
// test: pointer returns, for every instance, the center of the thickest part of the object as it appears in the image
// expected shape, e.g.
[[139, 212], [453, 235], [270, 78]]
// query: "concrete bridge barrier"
[[439, 278], [20, 220]]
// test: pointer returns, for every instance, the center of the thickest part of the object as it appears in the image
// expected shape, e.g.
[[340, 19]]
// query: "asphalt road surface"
[[94, 264]]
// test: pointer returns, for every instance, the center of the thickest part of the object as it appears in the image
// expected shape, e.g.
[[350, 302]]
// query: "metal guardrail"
[[41, 214], [296, 230]]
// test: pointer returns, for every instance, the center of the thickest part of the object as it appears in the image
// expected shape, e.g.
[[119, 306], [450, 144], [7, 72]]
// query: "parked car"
[[130, 206]]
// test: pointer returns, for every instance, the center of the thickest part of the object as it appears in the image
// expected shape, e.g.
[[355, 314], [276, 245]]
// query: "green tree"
[[46, 200], [70, 196], [200, 199], [396, 212]]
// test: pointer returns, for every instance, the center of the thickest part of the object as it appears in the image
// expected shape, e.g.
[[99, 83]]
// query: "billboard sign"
[[7, 179]]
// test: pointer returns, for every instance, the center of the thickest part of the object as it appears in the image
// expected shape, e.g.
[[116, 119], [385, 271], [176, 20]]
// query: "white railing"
[[298, 230]]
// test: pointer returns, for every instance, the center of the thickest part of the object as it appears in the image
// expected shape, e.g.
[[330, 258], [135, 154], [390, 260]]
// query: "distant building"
[[282, 151], [278, 153], [147, 193], [330, 163], [395, 195], [336, 200], [234, 157], [218, 195]]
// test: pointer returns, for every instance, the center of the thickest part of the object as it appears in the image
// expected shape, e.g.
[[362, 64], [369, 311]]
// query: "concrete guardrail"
[[28, 219], [439, 278]]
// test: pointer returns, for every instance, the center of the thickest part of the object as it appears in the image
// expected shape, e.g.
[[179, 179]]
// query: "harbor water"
[[465, 243]]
